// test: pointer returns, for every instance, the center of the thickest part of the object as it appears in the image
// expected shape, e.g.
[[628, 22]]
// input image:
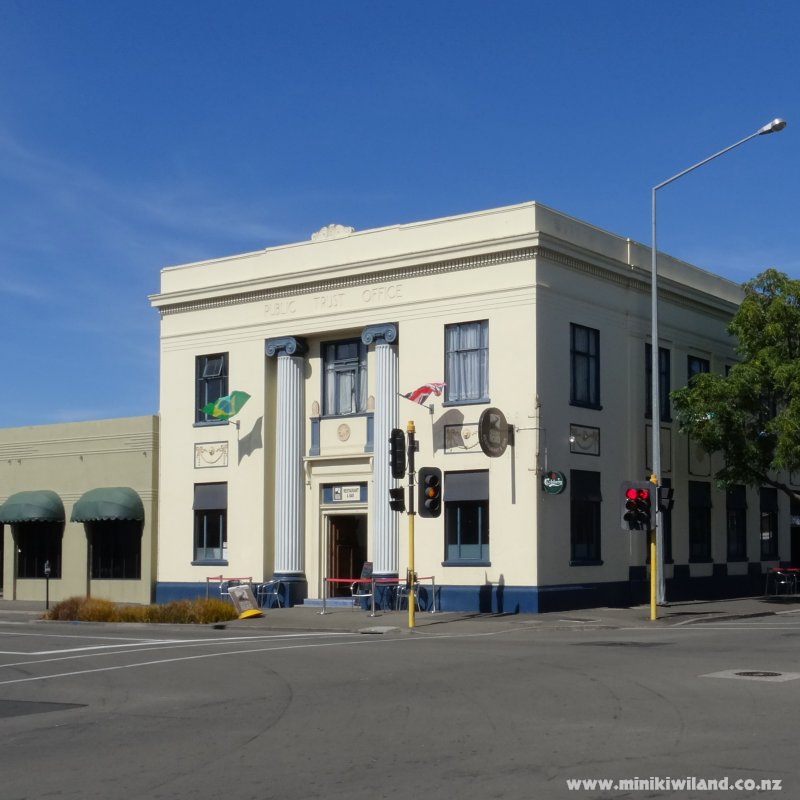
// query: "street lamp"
[[771, 127]]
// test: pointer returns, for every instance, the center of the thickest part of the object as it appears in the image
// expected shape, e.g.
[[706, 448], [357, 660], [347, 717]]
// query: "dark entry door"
[[348, 550]]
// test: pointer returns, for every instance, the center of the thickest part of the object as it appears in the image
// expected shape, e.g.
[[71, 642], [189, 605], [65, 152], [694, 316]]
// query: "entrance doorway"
[[347, 550]]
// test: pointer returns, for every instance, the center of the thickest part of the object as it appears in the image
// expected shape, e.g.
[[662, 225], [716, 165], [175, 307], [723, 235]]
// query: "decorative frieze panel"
[[210, 454]]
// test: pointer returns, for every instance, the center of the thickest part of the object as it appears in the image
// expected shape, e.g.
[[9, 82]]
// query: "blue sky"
[[136, 135]]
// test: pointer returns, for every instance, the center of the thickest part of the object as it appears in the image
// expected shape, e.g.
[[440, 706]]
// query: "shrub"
[[200, 611]]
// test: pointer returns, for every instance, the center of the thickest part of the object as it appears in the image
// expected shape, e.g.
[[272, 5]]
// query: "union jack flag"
[[421, 394]]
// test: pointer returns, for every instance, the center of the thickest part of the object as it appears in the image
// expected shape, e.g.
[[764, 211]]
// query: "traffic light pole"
[[412, 448]]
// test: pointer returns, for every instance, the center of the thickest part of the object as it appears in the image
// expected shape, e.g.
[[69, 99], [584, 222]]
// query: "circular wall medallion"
[[554, 482], [343, 432]]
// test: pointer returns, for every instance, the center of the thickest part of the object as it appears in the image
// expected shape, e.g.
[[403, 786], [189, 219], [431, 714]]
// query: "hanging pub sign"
[[554, 482], [493, 432]]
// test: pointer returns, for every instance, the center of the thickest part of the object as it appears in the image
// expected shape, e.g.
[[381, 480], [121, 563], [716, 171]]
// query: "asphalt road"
[[102, 711]]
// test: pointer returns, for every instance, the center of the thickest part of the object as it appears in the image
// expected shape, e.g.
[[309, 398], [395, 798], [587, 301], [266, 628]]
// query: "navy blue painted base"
[[294, 590], [502, 599]]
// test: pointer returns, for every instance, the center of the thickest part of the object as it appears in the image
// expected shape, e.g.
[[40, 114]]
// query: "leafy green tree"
[[752, 415]]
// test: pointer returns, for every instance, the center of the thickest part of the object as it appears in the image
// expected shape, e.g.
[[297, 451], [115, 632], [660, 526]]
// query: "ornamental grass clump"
[[200, 611]]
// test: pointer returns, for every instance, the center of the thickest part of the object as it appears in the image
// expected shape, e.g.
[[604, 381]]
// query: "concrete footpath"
[[356, 620]]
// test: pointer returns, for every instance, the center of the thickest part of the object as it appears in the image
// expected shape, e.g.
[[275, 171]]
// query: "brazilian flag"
[[227, 406]]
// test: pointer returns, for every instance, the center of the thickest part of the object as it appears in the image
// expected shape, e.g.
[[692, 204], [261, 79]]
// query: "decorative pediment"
[[331, 232]]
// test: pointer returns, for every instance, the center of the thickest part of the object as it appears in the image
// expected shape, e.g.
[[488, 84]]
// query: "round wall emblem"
[[493, 432], [343, 432], [554, 482]]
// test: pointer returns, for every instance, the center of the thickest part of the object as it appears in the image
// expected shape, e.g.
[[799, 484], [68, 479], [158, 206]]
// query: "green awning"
[[39, 506], [117, 503]]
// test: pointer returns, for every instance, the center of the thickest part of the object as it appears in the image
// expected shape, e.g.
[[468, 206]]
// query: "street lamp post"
[[772, 127]]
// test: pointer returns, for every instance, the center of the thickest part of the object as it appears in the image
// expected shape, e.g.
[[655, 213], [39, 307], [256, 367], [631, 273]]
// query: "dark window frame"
[[210, 384], [696, 365], [585, 518], [768, 522], [35, 543], [340, 366], [736, 523], [116, 550], [584, 383], [699, 522], [664, 377], [453, 355]]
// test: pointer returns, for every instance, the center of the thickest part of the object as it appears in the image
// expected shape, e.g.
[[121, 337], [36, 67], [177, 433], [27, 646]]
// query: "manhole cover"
[[753, 674], [768, 676]]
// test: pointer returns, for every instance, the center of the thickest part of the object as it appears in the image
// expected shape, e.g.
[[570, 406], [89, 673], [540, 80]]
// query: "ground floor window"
[[38, 543], [210, 522], [699, 521], [769, 524], [116, 548], [736, 512], [466, 517], [585, 503]]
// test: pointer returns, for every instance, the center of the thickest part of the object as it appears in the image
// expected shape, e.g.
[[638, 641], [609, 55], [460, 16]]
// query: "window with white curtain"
[[467, 362], [345, 378]]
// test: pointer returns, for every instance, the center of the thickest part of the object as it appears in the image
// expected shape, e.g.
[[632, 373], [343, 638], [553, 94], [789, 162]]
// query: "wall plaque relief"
[[210, 454], [666, 449], [584, 439], [461, 438], [343, 432]]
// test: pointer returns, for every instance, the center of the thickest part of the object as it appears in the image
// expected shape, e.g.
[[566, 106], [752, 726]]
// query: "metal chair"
[[270, 593], [362, 589], [781, 580]]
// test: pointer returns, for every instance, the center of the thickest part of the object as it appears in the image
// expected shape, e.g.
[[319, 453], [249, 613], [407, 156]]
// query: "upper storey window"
[[211, 383], [345, 377], [466, 369], [585, 366]]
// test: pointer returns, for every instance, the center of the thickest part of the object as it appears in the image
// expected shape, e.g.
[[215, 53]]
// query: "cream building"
[[520, 308], [81, 499]]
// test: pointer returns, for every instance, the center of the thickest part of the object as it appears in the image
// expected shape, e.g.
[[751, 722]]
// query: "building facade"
[[78, 510], [522, 309]]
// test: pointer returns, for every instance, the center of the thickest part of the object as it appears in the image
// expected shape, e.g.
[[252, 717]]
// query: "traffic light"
[[397, 453], [637, 506], [429, 491], [397, 499], [665, 501]]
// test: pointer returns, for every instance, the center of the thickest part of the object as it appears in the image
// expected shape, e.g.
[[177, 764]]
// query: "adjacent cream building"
[[520, 308], [79, 500]]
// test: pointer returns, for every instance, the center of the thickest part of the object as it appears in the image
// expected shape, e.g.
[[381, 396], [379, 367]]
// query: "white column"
[[289, 481], [384, 520]]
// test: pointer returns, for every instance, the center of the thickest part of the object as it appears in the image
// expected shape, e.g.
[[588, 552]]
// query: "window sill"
[[743, 560], [211, 563], [649, 418], [701, 560], [586, 562], [477, 402], [346, 416], [591, 406], [466, 563], [210, 424]]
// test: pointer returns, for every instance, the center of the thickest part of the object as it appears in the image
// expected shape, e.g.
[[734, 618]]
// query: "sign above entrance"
[[344, 493]]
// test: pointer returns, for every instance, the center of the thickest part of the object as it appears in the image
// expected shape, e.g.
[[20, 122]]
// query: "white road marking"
[[163, 644], [359, 641]]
